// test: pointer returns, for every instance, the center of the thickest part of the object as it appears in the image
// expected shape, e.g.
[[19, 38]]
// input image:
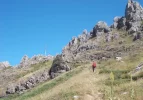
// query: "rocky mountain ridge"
[[77, 48], [26, 61], [89, 46], [10, 77]]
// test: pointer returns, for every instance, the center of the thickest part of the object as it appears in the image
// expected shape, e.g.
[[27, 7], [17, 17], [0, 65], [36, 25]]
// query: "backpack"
[[94, 64]]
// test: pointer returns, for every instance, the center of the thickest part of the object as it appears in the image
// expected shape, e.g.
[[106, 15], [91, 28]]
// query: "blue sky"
[[26, 26]]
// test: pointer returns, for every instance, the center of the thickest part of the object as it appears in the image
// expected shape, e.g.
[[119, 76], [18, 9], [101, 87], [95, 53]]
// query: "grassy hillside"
[[13, 75], [112, 80], [85, 84]]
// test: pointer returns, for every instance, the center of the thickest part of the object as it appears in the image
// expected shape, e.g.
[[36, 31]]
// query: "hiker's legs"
[[93, 68]]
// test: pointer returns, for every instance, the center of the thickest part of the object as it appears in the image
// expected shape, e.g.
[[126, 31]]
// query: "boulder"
[[58, 66], [32, 80], [10, 89], [133, 30], [29, 85], [20, 87], [100, 28], [137, 35]]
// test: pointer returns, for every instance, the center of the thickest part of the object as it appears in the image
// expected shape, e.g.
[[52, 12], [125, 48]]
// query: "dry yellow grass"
[[124, 90], [39, 70], [87, 84], [83, 83]]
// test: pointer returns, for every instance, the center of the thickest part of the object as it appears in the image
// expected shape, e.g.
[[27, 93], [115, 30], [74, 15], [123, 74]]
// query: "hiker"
[[94, 66]]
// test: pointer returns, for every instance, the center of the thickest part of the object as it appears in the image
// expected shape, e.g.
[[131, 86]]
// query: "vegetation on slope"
[[82, 81]]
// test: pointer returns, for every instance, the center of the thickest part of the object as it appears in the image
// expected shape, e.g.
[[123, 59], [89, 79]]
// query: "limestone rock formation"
[[4, 64], [115, 24], [26, 61], [22, 85], [132, 21], [134, 16], [100, 28], [122, 23], [58, 66], [69, 51], [11, 89]]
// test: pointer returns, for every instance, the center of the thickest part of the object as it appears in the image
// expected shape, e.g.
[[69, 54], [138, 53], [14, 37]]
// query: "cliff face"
[[81, 48]]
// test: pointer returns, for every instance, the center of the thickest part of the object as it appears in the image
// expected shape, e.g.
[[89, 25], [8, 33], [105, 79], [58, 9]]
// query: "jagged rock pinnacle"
[[130, 1]]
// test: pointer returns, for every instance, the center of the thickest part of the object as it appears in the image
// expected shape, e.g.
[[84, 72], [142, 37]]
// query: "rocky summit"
[[117, 49], [132, 21], [77, 48]]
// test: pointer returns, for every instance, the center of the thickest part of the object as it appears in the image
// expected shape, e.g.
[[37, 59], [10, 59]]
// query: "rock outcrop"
[[134, 16], [75, 46], [4, 64], [116, 20], [22, 85], [26, 61], [133, 19], [132, 22], [69, 52], [58, 66], [75, 49], [100, 28]]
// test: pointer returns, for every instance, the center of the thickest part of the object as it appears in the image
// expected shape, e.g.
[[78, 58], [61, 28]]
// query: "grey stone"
[[52, 75], [26, 61], [4, 64], [100, 28], [10, 89], [137, 35], [68, 68], [32, 80], [58, 66], [29, 85], [116, 19], [121, 23], [61, 71], [20, 87], [132, 30], [134, 16], [115, 24]]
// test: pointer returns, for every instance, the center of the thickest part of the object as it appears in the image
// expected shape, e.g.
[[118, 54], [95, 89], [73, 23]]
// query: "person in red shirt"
[[94, 66]]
